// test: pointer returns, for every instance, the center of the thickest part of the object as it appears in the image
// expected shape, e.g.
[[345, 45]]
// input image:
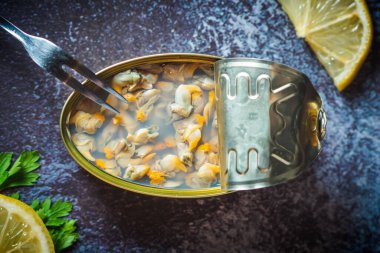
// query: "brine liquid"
[[159, 115]]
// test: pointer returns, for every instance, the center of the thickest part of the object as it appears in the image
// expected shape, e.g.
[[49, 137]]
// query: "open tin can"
[[270, 124]]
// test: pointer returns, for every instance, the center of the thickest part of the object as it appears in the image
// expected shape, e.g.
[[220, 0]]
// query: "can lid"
[[270, 122]]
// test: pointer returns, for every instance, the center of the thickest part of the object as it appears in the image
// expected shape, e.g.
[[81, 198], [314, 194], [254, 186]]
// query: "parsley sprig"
[[62, 230], [21, 172]]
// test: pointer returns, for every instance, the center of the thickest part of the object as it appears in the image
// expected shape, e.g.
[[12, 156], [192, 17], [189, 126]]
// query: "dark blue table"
[[333, 207]]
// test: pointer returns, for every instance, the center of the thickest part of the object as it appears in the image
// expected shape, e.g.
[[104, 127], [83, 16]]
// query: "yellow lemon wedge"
[[21, 229], [338, 31]]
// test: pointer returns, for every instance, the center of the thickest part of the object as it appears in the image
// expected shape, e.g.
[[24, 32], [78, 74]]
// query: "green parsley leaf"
[[61, 230], [5, 162], [15, 195], [35, 203], [65, 236], [20, 173]]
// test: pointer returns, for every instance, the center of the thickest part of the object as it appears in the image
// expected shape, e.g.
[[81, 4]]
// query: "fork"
[[52, 58]]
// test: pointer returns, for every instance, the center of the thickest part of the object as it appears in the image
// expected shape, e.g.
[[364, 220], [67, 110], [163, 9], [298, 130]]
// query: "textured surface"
[[333, 207]]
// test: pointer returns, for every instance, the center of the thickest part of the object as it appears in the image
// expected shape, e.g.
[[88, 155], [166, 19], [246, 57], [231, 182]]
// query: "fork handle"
[[14, 30]]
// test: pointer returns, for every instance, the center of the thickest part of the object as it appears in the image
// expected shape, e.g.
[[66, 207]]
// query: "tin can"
[[315, 124]]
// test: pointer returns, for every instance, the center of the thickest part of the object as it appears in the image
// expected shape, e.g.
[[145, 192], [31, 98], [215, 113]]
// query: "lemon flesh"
[[338, 31], [21, 229]]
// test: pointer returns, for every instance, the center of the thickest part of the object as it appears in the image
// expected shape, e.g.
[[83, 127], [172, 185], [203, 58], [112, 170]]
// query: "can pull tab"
[[244, 126], [252, 107]]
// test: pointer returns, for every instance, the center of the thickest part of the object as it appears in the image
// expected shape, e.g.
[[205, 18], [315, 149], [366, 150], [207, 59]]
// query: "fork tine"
[[73, 83], [85, 91], [87, 73]]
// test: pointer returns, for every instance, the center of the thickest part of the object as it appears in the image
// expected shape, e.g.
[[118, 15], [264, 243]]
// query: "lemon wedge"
[[21, 229], [338, 31]]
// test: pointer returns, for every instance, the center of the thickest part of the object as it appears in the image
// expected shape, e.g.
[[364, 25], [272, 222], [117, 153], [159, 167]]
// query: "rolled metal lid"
[[270, 122]]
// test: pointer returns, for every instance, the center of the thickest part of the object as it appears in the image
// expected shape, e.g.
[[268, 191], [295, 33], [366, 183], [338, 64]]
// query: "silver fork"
[[52, 58]]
